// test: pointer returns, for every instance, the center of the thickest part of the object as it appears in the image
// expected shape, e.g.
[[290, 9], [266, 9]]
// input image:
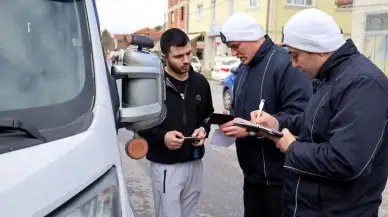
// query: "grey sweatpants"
[[176, 188]]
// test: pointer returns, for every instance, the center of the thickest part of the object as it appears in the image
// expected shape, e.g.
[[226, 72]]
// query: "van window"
[[45, 62]]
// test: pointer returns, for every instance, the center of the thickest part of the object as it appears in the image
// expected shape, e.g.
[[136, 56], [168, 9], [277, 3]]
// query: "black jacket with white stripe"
[[286, 91], [339, 166]]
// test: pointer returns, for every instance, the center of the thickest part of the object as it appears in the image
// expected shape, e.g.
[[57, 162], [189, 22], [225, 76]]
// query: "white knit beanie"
[[314, 31], [241, 27]]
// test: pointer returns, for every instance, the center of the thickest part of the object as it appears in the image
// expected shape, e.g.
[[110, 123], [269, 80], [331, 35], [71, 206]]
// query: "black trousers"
[[261, 200]]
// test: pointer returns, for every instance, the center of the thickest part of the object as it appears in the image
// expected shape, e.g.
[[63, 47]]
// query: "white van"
[[60, 111]]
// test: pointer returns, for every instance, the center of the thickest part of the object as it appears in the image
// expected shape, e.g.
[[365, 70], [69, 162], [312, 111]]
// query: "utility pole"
[[164, 22]]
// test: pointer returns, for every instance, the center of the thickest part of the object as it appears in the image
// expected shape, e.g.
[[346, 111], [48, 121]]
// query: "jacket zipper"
[[170, 84], [261, 98]]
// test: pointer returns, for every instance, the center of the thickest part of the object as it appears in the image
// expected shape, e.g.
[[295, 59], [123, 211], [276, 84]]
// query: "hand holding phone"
[[173, 140]]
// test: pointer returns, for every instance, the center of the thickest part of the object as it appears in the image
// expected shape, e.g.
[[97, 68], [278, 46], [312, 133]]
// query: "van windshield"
[[42, 60], [46, 73]]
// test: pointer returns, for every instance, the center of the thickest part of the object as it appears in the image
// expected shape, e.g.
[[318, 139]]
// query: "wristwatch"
[[204, 130]]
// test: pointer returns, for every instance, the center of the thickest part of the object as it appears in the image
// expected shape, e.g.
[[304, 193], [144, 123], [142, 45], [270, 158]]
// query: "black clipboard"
[[258, 128], [219, 119]]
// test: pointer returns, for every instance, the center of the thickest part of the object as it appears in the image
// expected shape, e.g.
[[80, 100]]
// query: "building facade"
[[206, 17], [370, 30], [177, 14]]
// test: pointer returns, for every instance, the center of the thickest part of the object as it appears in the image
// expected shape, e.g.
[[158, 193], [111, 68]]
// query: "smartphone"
[[194, 139], [219, 119]]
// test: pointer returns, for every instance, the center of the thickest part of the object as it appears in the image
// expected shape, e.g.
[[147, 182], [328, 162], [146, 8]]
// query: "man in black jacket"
[[266, 74], [338, 167], [176, 166]]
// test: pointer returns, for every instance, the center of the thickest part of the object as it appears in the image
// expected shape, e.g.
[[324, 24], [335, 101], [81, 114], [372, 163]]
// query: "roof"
[[152, 33]]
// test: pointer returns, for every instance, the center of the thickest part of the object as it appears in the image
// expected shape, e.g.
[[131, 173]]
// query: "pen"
[[261, 106]]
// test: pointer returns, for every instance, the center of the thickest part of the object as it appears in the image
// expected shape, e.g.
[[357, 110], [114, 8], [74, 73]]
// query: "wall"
[[373, 44], [362, 8], [176, 6], [197, 25], [259, 13], [283, 12]]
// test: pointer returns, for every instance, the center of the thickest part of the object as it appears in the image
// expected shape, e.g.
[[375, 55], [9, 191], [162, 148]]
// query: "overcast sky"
[[127, 16]]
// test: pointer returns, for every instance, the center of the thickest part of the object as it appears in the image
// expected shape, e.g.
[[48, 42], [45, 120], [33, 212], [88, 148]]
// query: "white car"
[[196, 64], [220, 72]]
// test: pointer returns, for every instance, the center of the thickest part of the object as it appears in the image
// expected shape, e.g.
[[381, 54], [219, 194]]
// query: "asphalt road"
[[222, 192]]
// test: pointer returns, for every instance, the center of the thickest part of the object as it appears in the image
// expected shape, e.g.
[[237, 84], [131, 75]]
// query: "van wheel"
[[227, 99]]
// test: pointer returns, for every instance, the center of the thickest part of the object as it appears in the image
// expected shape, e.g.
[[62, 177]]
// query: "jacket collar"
[[344, 53], [263, 50], [169, 83]]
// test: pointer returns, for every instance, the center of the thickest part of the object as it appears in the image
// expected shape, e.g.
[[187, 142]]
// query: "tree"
[[158, 27], [107, 40], [127, 41]]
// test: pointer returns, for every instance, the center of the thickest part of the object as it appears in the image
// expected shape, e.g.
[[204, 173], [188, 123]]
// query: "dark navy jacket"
[[339, 167], [286, 91]]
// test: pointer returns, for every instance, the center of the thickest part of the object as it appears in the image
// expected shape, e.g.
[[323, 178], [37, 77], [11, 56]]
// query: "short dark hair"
[[173, 37]]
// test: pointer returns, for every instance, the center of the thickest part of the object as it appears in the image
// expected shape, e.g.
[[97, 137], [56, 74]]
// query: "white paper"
[[219, 139]]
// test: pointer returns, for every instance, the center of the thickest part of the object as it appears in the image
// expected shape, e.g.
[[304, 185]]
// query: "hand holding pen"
[[262, 118]]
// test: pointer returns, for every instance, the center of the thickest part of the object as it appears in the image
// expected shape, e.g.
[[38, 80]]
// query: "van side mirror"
[[233, 70], [142, 42], [142, 89]]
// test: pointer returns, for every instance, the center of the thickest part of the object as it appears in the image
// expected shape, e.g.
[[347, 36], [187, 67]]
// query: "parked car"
[[222, 71], [227, 93], [196, 64], [218, 60]]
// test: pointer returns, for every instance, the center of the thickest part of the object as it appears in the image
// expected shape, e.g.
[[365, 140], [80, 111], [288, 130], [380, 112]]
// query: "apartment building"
[[370, 30], [206, 17], [177, 14]]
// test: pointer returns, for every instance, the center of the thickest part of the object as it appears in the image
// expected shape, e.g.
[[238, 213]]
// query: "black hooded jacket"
[[184, 114]]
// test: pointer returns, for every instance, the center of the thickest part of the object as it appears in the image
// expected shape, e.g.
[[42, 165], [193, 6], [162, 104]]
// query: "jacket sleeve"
[[154, 135], [291, 122], [208, 109], [356, 128], [294, 91]]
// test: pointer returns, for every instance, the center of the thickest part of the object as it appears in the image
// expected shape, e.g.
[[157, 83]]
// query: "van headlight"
[[102, 205], [100, 199]]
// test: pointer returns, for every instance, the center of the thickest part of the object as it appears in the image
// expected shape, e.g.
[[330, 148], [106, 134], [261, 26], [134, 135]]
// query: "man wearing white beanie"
[[338, 166], [265, 74]]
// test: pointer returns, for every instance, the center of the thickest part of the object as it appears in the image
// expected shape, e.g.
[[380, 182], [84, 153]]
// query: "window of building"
[[253, 3], [172, 17], [376, 22], [300, 2], [182, 13], [200, 11]]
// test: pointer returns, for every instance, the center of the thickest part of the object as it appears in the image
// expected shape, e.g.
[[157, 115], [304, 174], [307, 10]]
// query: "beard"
[[178, 70]]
